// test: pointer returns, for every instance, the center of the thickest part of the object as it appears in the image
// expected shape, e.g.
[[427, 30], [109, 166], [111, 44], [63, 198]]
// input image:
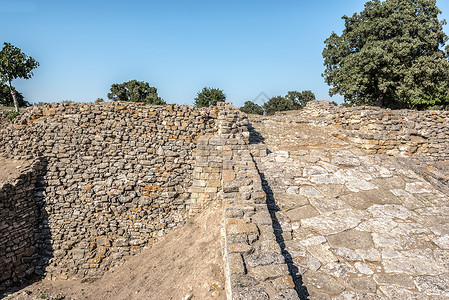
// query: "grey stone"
[[418, 188], [288, 294], [310, 192], [348, 254], [323, 282], [263, 273], [241, 280], [335, 222], [302, 212], [263, 259], [390, 211], [442, 257], [414, 262], [322, 253], [352, 238], [250, 293], [393, 292], [326, 205], [442, 242], [364, 269], [399, 280], [362, 284], [432, 286]]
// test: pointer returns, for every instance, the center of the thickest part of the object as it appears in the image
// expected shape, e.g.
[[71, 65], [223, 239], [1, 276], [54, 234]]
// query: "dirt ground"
[[9, 168], [187, 263]]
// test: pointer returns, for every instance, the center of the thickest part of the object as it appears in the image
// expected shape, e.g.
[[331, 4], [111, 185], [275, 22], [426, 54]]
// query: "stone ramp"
[[352, 225]]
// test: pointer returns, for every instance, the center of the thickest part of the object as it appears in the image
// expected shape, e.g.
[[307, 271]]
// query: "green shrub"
[[12, 115]]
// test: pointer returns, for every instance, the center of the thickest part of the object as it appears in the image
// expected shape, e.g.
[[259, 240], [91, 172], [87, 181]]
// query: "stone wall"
[[19, 219], [391, 132], [118, 175]]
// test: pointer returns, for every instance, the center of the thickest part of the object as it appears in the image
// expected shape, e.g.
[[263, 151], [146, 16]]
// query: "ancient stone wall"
[[117, 176], [392, 132], [19, 218]]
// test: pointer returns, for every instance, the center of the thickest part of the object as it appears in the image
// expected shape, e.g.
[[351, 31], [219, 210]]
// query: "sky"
[[243, 47]]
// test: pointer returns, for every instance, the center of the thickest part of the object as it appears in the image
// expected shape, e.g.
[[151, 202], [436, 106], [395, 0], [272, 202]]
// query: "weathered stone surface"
[[335, 222], [353, 239], [289, 294], [245, 228], [323, 282], [362, 284], [328, 205], [393, 292], [399, 280], [348, 254], [253, 293], [413, 262], [418, 188], [283, 283], [236, 265], [322, 253], [390, 211], [364, 269], [263, 273], [432, 286], [442, 242], [302, 212], [263, 259]]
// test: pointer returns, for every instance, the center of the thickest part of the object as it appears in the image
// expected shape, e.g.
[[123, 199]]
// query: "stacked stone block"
[[19, 217], [118, 176], [391, 132], [255, 266]]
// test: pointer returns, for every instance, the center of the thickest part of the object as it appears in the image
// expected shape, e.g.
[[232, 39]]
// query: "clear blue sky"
[[242, 47]]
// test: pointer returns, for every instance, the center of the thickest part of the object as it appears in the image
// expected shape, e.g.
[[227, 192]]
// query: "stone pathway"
[[352, 225]]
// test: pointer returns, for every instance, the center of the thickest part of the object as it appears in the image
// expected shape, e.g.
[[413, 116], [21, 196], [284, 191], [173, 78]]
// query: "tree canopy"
[[135, 91], [15, 64], [209, 96], [390, 55], [252, 108], [278, 103], [300, 99]]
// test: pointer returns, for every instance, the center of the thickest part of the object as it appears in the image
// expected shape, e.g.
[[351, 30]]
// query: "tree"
[[15, 64], [6, 97], [389, 55], [278, 103], [209, 96], [300, 99], [135, 91], [252, 108]]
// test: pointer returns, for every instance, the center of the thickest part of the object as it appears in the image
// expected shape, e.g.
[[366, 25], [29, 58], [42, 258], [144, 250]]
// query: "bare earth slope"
[[186, 262]]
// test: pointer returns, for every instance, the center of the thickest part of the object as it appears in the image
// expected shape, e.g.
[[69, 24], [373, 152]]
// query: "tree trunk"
[[380, 100], [14, 98]]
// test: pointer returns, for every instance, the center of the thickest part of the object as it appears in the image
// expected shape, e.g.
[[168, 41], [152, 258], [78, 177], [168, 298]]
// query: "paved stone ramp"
[[352, 225]]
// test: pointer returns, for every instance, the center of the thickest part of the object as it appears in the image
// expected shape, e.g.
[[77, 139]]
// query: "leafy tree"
[[300, 99], [252, 108], [278, 103], [15, 64], [389, 55], [135, 91], [6, 97], [209, 96]]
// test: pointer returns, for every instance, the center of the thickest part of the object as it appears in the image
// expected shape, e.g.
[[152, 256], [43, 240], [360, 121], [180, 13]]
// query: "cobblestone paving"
[[351, 225]]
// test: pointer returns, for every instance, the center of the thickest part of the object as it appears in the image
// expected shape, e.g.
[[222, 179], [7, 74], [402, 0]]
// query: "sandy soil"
[[9, 168], [185, 264]]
